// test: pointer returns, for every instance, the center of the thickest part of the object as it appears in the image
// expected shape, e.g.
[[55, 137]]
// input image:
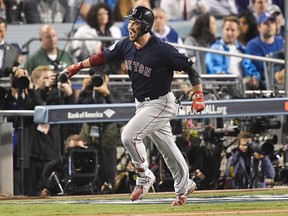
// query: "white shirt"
[[235, 62], [90, 46]]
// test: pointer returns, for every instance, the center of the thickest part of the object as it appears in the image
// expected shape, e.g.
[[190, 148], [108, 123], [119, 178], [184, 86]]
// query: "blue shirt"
[[259, 48], [216, 63], [151, 67]]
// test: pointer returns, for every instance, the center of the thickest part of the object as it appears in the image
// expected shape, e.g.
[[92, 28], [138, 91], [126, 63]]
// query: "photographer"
[[102, 136], [8, 94], [58, 166], [18, 97], [34, 144], [45, 139], [247, 168], [204, 156], [49, 88]]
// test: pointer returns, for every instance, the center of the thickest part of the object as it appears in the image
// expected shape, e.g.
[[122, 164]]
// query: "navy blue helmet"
[[144, 16]]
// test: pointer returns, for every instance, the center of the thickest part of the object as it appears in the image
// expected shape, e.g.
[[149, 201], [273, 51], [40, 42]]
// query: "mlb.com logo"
[[109, 113]]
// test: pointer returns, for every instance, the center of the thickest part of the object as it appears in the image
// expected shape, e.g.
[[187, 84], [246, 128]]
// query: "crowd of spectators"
[[249, 27]]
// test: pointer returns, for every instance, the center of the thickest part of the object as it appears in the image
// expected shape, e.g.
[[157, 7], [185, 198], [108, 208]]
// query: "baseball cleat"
[[181, 199], [141, 189]]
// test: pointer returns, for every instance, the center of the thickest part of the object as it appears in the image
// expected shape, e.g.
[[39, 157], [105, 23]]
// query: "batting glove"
[[73, 69], [198, 103]]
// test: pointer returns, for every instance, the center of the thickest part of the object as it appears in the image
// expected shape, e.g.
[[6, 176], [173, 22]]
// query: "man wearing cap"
[[262, 45], [276, 12]]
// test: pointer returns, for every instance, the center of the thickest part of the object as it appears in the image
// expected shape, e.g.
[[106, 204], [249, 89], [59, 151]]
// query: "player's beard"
[[138, 36]]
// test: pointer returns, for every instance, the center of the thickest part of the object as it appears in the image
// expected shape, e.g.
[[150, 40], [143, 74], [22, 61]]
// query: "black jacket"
[[10, 59]]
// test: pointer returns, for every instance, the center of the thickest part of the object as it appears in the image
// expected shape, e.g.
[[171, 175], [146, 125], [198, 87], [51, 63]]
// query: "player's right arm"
[[112, 53], [93, 61]]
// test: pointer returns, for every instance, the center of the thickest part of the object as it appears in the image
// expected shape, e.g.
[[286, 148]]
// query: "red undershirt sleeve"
[[98, 60]]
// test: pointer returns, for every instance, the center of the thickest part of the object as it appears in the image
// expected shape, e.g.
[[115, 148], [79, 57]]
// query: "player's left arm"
[[180, 62], [198, 103]]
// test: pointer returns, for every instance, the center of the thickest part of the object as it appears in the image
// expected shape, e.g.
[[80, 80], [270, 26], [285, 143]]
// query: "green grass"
[[56, 205], [147, 209]]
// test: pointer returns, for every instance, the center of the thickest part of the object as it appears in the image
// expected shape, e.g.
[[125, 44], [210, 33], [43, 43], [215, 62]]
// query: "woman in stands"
[[248, 27], [203, 34], [99, 23]]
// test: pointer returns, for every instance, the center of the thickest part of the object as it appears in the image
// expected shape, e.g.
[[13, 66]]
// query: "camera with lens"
[[82, 171], [21, 82], [97, 78], [263, 123], [263, 145], [57, 67], [80, 166], [63, 78]]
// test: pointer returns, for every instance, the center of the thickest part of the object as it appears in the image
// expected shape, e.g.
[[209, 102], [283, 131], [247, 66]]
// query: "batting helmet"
[[144, 16]]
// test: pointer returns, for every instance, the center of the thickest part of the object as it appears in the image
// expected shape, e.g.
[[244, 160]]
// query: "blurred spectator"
[[102, 136], [280, 4], [79, 8], [262, 45], [3, 8], [242, 5], [46, 11], [247, 4], [179, 9], [203, 34], [247, 168], [218, 8], [49, 54], [259, 6], [14, 11], [99, 23], [275, 11], [8, 53], [221, 64], [144, 3], [122, 8], [163, 31], [248, 27]]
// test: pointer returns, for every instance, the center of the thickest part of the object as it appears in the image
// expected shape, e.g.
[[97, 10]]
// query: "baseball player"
[[150, 63]]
